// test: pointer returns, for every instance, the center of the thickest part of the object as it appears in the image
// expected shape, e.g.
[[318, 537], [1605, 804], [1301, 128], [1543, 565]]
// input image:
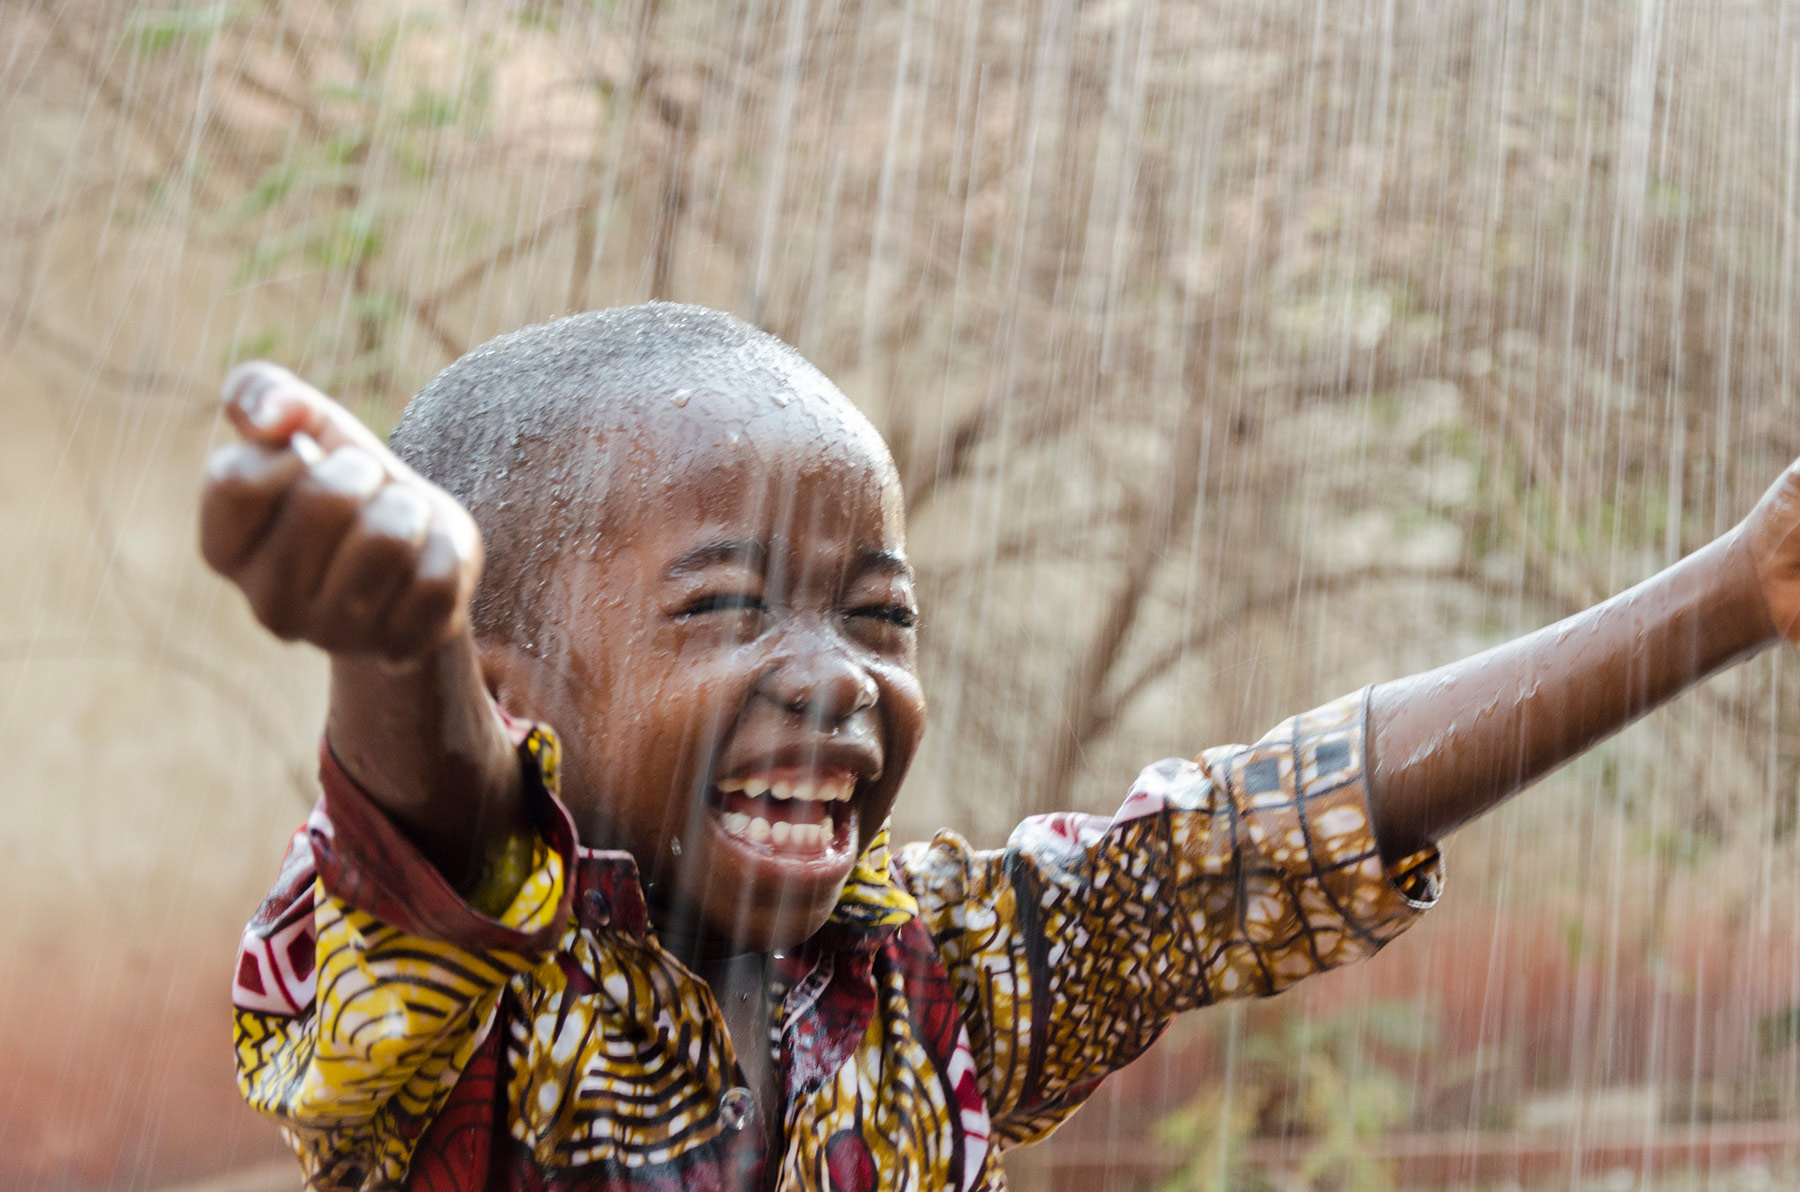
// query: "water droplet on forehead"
[[680, 396]]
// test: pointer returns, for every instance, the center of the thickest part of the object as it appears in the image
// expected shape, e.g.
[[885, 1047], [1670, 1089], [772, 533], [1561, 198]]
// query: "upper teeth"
[[823, 790]]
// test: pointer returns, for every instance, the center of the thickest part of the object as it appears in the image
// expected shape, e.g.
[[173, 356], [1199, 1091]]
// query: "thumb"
[[270, 405]]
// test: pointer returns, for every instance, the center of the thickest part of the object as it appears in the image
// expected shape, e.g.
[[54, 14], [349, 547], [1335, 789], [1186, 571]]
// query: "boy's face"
[[733, 672]]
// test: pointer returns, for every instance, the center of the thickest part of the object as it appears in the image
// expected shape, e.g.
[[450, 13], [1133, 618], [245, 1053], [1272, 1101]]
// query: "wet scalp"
[[534, 432]]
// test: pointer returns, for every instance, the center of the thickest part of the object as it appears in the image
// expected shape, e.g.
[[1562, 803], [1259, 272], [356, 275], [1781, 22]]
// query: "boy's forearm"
[[424, 741], [1450, 743], [336, 542]]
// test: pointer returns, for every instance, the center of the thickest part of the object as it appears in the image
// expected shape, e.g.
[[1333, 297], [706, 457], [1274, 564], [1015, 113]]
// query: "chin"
[[762, 919], [764, 894]]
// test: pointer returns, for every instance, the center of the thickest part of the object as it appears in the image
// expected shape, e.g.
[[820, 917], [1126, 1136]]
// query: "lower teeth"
[[781, 833]]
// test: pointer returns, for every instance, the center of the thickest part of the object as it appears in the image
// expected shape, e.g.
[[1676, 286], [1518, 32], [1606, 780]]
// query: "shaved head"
[[548, 434]]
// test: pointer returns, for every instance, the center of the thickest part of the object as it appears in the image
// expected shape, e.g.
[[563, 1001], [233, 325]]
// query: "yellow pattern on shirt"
[[394, 1022], [1067, 951]]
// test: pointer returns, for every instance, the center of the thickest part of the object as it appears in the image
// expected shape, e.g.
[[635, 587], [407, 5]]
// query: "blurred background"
[[1234, 355]]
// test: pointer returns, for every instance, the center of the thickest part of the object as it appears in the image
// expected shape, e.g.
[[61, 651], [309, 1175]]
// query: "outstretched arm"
[[335, 542], [1448, 744]]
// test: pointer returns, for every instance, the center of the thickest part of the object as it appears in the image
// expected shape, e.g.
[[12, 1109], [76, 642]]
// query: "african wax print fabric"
[[958, 1000]]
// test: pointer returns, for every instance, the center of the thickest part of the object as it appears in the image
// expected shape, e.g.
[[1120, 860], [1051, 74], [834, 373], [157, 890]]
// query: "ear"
[[509, 673]]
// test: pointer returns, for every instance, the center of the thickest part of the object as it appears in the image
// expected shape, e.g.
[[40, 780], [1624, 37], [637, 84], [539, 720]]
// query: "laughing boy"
[[599, 893]]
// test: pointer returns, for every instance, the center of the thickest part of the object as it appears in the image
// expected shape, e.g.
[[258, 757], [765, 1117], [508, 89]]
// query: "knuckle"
[[233, 491], [351, 471], [319, 504], [248, 472], [397, 513], [367, 572], [383, 554]]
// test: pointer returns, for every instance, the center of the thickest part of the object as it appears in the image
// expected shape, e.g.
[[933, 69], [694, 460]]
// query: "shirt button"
[[735, 1108]]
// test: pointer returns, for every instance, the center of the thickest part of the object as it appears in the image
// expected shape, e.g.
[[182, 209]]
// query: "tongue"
[[790, 811]]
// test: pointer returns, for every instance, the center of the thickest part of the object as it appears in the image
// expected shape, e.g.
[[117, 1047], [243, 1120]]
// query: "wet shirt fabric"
[[957, 1001]]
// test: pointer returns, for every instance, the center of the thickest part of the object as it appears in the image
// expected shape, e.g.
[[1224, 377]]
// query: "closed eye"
[[719, 602], [903, 615]]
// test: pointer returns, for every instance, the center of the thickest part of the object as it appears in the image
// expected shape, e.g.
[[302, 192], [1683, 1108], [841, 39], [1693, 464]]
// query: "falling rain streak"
[[1232, 355]]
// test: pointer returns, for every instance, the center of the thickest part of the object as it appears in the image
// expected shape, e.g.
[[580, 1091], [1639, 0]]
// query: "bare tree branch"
[[1164, 524]]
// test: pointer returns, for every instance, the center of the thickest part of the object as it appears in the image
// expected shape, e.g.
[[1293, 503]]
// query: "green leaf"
[[378, 305], [276, 183], [433, 109], [350, 238], [270, 252], [155, 32], [346, 146]]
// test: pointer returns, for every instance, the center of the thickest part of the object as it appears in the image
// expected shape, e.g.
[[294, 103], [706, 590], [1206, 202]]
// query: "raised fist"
[[333, 540]]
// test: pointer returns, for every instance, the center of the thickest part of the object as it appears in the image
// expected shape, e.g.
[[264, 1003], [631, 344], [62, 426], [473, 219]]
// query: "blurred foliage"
[[1333, 1084], [154, 32], [1780, 1030], [332, 199]]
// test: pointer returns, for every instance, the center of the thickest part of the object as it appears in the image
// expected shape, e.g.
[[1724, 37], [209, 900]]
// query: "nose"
[[821, 682]]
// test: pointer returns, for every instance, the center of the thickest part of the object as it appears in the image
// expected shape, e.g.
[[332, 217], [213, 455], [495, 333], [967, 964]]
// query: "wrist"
[[1745, 591], [430, 748]]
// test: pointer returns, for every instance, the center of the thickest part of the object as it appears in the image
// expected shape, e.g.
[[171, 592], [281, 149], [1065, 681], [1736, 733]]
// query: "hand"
[[333, 539], [1770, 542]]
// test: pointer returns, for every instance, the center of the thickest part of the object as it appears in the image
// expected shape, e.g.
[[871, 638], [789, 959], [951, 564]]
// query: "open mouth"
[[788, 812]]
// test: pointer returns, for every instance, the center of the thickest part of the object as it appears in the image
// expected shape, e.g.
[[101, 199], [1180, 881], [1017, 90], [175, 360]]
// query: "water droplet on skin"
[[681, 396], [675, 847], [781, 397]]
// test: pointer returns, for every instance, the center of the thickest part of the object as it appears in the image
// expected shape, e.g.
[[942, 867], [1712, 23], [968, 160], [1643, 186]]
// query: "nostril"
[[825, 689]]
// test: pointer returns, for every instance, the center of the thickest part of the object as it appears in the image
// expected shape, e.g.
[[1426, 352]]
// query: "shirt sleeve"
[[1233, 875], [364, 983]]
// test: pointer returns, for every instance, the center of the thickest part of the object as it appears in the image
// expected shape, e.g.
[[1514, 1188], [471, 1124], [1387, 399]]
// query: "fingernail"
[[249, 386], [398, 513], [438, 559], [304, 446], [265, 413], [347, 471]]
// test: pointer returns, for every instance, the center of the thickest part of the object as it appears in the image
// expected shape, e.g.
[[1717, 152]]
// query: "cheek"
[[903, 711], [900, 689], [699, 688]]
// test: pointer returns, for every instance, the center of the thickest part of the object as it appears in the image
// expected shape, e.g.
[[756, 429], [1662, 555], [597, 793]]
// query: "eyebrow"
[[754, 553], [892, 562], [744, 552]]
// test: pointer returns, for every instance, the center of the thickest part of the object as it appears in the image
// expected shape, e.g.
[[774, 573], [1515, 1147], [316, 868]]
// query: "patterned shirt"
[[956, 1002]]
